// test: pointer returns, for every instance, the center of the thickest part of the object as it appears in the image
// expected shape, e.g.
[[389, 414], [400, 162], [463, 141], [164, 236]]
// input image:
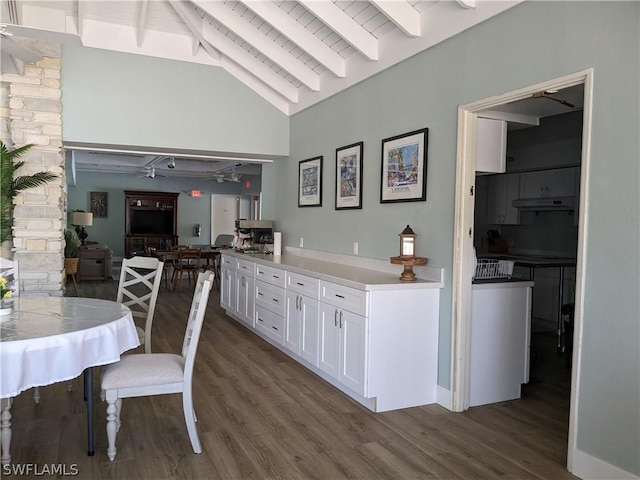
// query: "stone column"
[[35, 116]]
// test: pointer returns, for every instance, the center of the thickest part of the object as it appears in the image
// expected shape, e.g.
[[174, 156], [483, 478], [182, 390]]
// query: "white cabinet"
[[228, 289], [491, 146], [301, 317], [245, 292], [378, 344], [500, 342], [560, 182], [502, 191]]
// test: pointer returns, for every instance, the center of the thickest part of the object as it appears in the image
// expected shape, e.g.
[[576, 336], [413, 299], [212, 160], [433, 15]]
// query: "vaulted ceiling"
[[292, 53]]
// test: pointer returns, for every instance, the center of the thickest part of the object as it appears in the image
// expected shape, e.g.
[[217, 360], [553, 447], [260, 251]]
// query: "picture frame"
[[404, 167], [349, 176], [310, 182], [99, 204]]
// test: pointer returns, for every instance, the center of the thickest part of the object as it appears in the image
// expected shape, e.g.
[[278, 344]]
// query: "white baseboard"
[[589, 467]]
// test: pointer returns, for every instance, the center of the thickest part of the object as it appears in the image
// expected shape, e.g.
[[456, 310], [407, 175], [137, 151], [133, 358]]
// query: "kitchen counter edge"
[[349, 276]]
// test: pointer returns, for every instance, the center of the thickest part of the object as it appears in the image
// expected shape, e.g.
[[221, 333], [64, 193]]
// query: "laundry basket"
[[487, 268]]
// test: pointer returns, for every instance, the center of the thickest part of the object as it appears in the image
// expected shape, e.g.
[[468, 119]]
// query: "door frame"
[[463, 240]]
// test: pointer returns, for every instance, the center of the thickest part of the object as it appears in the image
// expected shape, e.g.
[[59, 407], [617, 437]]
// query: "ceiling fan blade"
[[13, 48], [41, 34]]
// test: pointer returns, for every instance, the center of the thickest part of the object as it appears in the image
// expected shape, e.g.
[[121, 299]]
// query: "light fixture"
[[172, 163], [81, 220], [220, 180], [408, 255]]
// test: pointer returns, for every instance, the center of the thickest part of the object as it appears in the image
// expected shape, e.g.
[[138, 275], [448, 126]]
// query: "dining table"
[[210, 254], [48, 339]]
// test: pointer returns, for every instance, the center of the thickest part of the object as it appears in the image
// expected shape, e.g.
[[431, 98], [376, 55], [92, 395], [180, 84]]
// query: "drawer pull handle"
[[260, 294], [260, 320], [276, 276], [339, 296], [275, 328], [301, 284], [275, 300]]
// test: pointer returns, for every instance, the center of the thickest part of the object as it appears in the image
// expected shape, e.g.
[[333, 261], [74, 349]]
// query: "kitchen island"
[[500, 339], [369, 334]]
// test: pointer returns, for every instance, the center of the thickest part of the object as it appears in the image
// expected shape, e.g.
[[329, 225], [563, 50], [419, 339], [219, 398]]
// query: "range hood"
[[545, 204]]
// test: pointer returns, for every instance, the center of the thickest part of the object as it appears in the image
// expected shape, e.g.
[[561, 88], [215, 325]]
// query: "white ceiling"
[[292, 53]]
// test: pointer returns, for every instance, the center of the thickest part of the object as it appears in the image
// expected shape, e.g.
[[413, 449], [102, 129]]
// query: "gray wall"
[[533, 42], [191, 210], [120, 99]]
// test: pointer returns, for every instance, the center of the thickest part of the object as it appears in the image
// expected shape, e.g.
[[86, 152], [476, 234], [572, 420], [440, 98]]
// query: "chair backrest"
[[223, 240], [9, 271], [187, 255], [194, 323], [138, 289]]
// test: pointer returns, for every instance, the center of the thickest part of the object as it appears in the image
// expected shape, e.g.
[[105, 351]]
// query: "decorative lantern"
[[408, 255], [407, 243]]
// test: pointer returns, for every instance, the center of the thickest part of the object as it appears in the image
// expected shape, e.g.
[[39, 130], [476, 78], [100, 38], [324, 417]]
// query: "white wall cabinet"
[[491, 146], [502, 191], [559, 182], [245, 291], [377, 344]]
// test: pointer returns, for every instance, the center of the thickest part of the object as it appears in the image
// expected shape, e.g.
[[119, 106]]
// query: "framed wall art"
[[310, 182], [404, 167], [349, 176], [98, 202]]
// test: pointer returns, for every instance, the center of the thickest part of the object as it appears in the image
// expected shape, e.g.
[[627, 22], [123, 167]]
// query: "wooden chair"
[[138, 289], [188, 262], [141, 375], [168, 265]]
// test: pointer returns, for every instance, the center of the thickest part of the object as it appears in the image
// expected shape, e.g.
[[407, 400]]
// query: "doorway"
[[464, 234], [224, 213]]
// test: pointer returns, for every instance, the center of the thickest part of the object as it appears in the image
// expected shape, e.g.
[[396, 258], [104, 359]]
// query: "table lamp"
[[81, 220]]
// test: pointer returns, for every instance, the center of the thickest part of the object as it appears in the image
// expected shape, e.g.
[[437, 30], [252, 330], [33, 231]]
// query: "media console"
[[151, 220]]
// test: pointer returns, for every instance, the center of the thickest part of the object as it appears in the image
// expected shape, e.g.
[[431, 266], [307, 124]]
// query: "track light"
[[220, 180], [172, 163]]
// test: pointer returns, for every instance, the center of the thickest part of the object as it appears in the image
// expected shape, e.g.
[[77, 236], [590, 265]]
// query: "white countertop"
[[347, 275]]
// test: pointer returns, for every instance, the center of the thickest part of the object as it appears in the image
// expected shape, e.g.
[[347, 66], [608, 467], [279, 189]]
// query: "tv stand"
[[142, 226]]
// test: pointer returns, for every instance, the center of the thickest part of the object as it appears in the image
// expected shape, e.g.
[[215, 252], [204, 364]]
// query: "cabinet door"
[[244, 298], [309, 329], [502, 191], [533, 184], [352, 350], [228, 290], [293, 322], [561, 182], [491, 146], [329, 341]]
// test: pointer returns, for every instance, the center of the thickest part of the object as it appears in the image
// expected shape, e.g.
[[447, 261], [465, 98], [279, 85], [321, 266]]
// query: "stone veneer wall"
[[34, 115]]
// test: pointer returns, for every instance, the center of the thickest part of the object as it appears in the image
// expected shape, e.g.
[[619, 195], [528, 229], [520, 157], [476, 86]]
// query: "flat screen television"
[[152, 222]]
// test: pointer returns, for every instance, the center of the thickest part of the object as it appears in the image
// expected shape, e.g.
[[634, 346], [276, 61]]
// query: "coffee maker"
[[254, 236]]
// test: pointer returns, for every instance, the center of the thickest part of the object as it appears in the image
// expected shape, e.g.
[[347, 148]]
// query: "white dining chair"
[[140, 279], [141, 375]]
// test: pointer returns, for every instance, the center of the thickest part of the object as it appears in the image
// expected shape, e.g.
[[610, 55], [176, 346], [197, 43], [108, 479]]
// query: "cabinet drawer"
[[274, 276], [245, 267], [270, 297], [228, 262], [303, 284], [270, 324], [343, 297]]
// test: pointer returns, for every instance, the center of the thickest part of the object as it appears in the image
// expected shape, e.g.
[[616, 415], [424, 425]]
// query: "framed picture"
[[349, 176], [404, 167], [310, 183], [98, 202]]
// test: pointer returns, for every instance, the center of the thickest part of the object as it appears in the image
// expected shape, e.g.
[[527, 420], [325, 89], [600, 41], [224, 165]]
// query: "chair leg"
[[112, 423], [190, 420], [36, 395]]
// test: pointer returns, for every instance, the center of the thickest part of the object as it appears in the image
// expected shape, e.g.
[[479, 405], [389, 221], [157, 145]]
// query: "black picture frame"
[[404, 167], [310, 182], [99, 204], [349, 176]]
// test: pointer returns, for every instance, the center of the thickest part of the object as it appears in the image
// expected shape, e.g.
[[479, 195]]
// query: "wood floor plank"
[[261, 415]]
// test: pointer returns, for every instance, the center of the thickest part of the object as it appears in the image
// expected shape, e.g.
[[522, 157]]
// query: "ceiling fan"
[[15, 53], [150, 172], [547, 94], [223, 177]]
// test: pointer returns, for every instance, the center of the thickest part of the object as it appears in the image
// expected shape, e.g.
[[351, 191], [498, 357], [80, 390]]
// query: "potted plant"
[[72, 242], [10, 185]]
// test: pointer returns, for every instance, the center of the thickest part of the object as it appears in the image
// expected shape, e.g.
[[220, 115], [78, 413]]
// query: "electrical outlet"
[[301, 242], [355, 248]]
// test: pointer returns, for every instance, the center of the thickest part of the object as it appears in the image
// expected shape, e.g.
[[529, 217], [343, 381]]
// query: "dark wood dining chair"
[[188, 262]]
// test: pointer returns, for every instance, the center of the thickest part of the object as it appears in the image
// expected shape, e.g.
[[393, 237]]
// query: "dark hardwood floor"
[[263, 416]]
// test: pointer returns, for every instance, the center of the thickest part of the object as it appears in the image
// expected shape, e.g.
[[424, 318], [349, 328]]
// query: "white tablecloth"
[[52, 339]]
